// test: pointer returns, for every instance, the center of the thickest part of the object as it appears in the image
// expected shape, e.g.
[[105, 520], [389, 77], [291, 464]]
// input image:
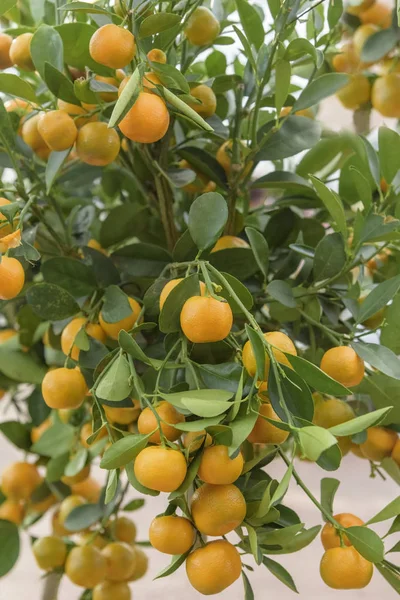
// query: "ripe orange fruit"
[[7, 334], [13, 511], [113, 329], [331, 412], [78, 478], [161, 469], [385, 94], [141, 564], [97, 145], [229, 241], [12, 278], [361, 35], [20, 52], [171, 534], [280, 343], [355, 449], [202, 27], [378, 14], [112, 590], [123, 529], [71, 330], [43, 506], [150, 81], [374, 320], [205, 319], [357, 9], [207, 98], [356, 92], [123, 416], [21, 107], [109, 96], [120, 559], [50, 552], [194, 439], [329, 535], [169, 416], [379, 443], [6, 228], [64, 388], [346, 61], [168, 287], [147, 121], [98, 541], [344, 365], [396, 452], [5, 44], [31, 136], [263, 431], [218, 509], [19, 479], [37, 432], [224, 157], [345, 569], [214, 567], [68, 505], [157, 55], [85, 566], [89, 489], [218, 468], [73, 110], [12, 240], [57, 527], [112, 46], [57, 129], [306, 112]]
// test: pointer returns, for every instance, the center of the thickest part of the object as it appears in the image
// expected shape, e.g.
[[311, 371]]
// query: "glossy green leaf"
[[260, 249], [378, 298], [379, 357], [51, 301], [295, 135], [82, 517], [282, 83], [127, 98], [329, 487], [55, 441], [314, 440], [389, 153], [157, 23], [59, 84], [70, 274], [124, 451], [53, 166], [390, 511], [9, 548], [367, 542], [115, 382], [21, 367], [330, 257], [190, 476], [251, 22], [360, 423], [207, 218], [170, 313], [17, 433], [332, 203], [316, 378], [280, 573], [176, 562], [378, 44], [16, 86], [116, 305], [282, 292], [320, 88], [186, 110], [47, 47]]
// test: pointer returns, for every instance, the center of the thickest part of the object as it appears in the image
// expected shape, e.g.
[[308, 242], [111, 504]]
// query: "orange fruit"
[[73, 110], [306, 112], [37, 432], [224, 157], [89, 489], [218, 468], [168, 287], [112, 46], [207, 98], [20, 52], [12, 278], [5, 44], [379, 443], [19, 479], [43, 506], [213, 567], [229, 241], [356, 92], [98, 541], [111, 590], [123, 529], [97, 145], [346, 61], [6, 228], [141, 564], [68, 505], [361, 35], [205, 319], [396, 452], [19, 106], [280, 343], [357, 9], [31, 136], [161, 469], [50, 552], [331, 412], [71, 330], [147, 121], [385, 94], [57, 527], [169, 417], [123, 416], [78, 478], [120, 559], [218, 509], [329, 535], [113, 329], [85, 566], [344, 365], [150, 81], [64, 388], [265, 432], [11, 510], [345, 569], [194, 439], [171, 534], [157, 55], [57, 129], [202, 27], [355, 449], [109, 96], [12, 240], [378, 14]]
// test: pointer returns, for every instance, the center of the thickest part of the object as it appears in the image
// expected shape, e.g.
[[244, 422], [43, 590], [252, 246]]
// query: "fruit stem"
[[51, 586]]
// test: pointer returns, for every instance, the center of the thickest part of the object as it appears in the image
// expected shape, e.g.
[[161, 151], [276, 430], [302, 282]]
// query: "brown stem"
[[51, 586], [362, 120]]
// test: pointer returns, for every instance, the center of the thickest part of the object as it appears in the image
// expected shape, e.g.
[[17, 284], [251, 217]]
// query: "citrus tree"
[[192, 267]]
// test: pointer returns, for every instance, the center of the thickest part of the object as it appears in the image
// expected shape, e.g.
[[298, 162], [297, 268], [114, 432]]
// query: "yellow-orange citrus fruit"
[[123, 529], [12, 278], [161, 469], [344, 365], [169, 417], [357, 9], [64, 388], [89, 489], [141, 564], [168, 287], [147, 121], [123, 416], [214, 567], [361, 35], [346, 61], [389, 65], [224, 157], [20, 52], [74, 110], [157, 55], [379, 443], [120, 559], [205, 319], [12, 240], [202, 27], [7, 334], [306, 112], [6, 228], [57, 527], [78, 478], [218, 509], [356, 92], [71, 330], [85, 566], [112, 46], [97, 145], [113, 329], [229, 241], [37, 432], [112, 590], [171, 534], [19, 479], [345, 569], [194, 439], [88, 537], [57, 129], [280, 343], [331, 412], [396, 452], [50, 552], [150, 81], [207, 98], [218, 468], [385, 94], [68, 505], [11, 510], [265, 432], [41, 506], [109, 96], [378, 14], [5, 44], [355, 449], [329, 535], [21, 107], [31, 136]]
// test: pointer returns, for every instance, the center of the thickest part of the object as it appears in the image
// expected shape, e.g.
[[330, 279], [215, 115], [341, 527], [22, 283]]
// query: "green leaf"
[[134, 505], [6, 130], [15, 86], [185, 109], [240, 290], [389, 152], [360, 423], [296, 394], [198, 424], [55, 441], [20, 366], [379, 357], [376, 230], [157, 23], [170, 313], [17, 433], [378, 298], [280, 573], [207, 218], [216, 63], [282, 83], [38, 409], [300, 47], [329, 487], [295, 135], [390, 511], [391, 468], [286, 181], [322, 87], [378, 45], [116, 305], [259, 246], [316, 378], [282, 486], [251, 22], [335, 10], [53, 166], [70, 274], [56, 466], [367, 542], [47, 46], [248, 590], [127, 99], [315, 440], [112, 486], [390, 335], [77, 463], [82, 517], [203, 403], [176, 562], [9, 549], [115, 382], [59, 84], [190, 476], [391, 576], [242, 425], [6, 5], [332, 203], [282, 292], [205, 163], [258, 350], [330, 257], [84, 7], [130, 346], [298, 542], [51, 301], [124, 451], [170, 77]]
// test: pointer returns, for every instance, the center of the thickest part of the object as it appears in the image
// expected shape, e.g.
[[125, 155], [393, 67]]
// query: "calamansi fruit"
[[345, 569], [141, 564], [150, 81], [361, 35], [31, 136], [265, 432], [385, 94], [202, 27], [89, 489], [57, 129], [161, 469], [6, 228], [224, 157], [378, 14], [217, 467], [168, 287], [229, 241], [86, 566], [74, 110], [68, 505], [113, 329], [78, 478], [120, 559], [19, 479], [7, 334], [112, 590], [214, 567], [208, 100], [123, 415], [343, 364], [396, 452], [50, 552], [64, 388], [357, 9], [194, 439], [280, 343], [71, 330], [171, 534], [157, 55], [147, 121], [5, 44], [379, 443], [169, 417], [97, 145], [205, 319], [37, 432], [88, 537], [331, 412], [112, 46], [329, 535], [12, 510], [20, 52], [12, 278], [346, 61], [356, 92], [123, 529], [218, 509]]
